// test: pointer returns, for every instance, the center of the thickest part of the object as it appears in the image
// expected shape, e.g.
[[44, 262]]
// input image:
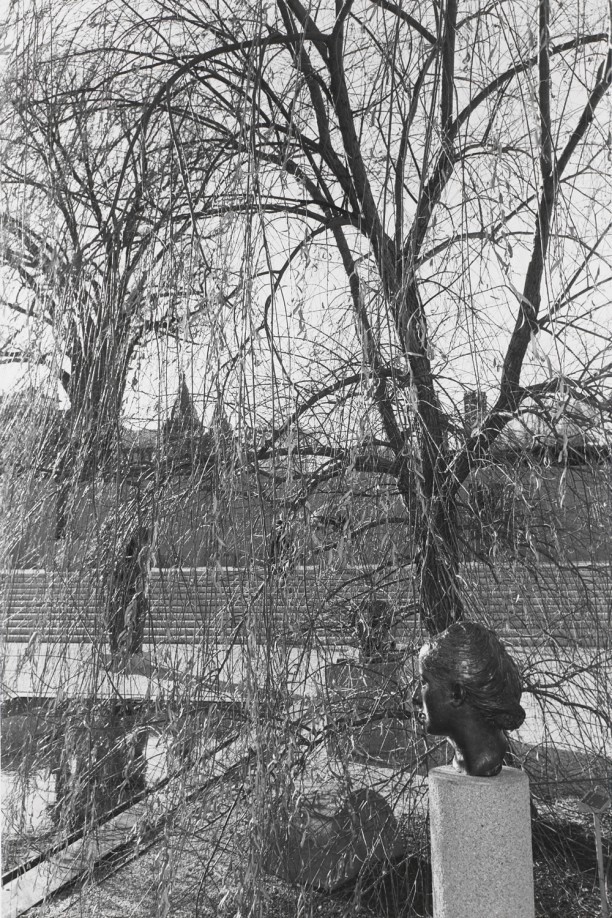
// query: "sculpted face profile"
[[469, 691]]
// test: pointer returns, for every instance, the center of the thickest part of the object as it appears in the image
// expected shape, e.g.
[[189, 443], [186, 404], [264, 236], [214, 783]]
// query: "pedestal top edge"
[[449, 774]]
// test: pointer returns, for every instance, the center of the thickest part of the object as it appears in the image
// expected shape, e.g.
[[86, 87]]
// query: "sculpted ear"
[[457, 694]]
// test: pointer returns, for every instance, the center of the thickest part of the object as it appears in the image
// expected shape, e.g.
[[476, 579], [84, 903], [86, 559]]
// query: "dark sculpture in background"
[[373, 624], [128, 600], [332, 836], [469, 690]]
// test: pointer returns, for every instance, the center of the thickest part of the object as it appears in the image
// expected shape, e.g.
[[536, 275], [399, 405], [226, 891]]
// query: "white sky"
[[156, 383]]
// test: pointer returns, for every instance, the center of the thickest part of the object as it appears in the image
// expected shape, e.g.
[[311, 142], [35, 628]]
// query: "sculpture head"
[[470, 691]]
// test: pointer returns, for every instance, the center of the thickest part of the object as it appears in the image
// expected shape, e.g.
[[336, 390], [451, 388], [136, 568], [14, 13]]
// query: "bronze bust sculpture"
[[469, 690]]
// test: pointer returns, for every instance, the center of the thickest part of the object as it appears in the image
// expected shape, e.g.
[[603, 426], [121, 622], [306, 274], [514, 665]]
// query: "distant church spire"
[[184, 420]]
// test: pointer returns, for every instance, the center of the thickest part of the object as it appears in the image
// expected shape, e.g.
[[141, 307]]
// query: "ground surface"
[[200, 868]]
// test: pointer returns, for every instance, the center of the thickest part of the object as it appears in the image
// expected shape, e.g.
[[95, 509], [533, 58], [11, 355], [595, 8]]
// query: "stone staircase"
[[547, 605], [185, 605], [221, 605]]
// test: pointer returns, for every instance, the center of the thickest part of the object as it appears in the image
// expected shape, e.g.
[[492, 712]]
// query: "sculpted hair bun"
[[511, 719]]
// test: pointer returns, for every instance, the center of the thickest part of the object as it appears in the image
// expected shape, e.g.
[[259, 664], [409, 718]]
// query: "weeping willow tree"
[[449, 171], [371, 243]]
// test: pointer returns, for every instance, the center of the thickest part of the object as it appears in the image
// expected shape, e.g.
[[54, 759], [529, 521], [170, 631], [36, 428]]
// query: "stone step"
[[186, 604]]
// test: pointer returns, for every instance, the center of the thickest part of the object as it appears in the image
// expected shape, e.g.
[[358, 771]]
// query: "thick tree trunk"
[[436, 549], [437, 555], [95, 388], [438, 568], [129, 603], [62, 503]]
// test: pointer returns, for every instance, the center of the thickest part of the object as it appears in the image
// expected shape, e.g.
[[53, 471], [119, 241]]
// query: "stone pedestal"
[[481, 855]]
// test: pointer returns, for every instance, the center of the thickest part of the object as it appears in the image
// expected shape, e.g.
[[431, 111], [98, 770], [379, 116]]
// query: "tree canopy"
[[392, 208]]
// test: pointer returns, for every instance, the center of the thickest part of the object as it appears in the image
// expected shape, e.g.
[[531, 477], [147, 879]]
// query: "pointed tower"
[[183, 422], [185, 440]]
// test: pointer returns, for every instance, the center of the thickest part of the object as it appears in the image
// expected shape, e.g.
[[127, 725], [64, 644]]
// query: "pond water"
[[63, 768]]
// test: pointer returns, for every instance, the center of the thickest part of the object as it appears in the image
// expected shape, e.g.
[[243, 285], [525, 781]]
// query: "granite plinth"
[[481, 854]]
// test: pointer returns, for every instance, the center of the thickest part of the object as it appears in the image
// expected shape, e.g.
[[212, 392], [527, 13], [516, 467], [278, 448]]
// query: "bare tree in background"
[[96, 244]]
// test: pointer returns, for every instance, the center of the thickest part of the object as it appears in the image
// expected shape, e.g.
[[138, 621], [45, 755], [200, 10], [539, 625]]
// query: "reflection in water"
[[64, 768], [96, 770], [26, 805]]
